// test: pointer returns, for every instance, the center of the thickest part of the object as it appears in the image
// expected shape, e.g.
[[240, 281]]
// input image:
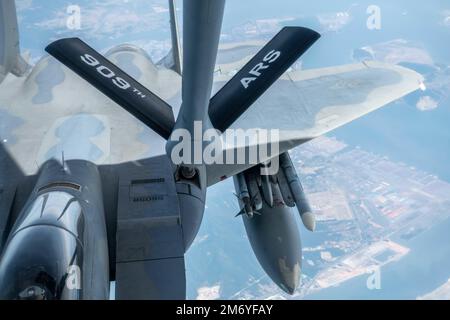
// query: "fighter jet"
[[90, 191]]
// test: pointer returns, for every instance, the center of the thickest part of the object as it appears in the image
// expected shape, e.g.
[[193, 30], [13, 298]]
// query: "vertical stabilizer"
[[176, 49], [10, 59]]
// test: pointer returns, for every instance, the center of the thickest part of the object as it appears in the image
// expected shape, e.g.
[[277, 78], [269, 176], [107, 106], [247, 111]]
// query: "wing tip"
[[406, 73]]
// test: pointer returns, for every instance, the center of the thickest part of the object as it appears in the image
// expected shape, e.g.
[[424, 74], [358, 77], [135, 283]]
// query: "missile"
[[243, 190], [285, 190], [297, 192], [243, 195], [266, 187], [255, 194]]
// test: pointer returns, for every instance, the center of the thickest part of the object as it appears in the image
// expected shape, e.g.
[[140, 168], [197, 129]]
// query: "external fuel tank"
[[275, 237]]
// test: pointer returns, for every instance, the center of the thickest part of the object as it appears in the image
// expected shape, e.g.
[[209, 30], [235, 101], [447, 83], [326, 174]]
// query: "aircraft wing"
[[306, 104]]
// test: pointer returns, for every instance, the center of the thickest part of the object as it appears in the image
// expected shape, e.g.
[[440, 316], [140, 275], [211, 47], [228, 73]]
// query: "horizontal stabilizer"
[[259, 74], [114, 83]]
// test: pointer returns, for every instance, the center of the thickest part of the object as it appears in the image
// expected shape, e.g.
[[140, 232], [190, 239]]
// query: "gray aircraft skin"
[[88, 190]]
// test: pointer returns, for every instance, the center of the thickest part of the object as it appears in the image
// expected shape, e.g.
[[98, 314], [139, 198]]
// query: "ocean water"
[[422, 270], [403, 133]]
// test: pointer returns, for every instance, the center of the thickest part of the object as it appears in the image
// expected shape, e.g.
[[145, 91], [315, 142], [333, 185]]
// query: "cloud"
[[398, 51], [446, 19], [22, 5], [426, 103], [334, 21], [208, 293], [109, 18], [160, 9]]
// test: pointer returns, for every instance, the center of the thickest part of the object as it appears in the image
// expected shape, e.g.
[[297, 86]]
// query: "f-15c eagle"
[[89, 188]]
